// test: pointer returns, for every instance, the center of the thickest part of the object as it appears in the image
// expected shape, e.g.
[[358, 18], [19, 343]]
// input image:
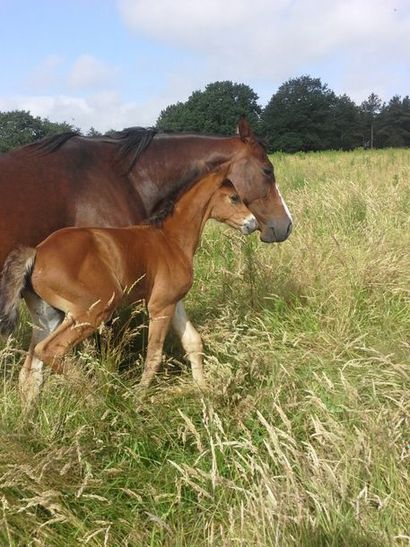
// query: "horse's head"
[[226, 206], [252, 175]]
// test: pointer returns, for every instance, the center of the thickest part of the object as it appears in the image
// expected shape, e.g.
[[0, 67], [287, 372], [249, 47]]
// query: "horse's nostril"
[[289, 228]]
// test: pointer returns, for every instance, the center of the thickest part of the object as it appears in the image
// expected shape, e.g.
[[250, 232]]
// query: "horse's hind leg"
[[45, 320], [191, 342]]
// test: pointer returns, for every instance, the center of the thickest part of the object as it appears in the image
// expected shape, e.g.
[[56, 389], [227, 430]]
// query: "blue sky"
[[116, 63]]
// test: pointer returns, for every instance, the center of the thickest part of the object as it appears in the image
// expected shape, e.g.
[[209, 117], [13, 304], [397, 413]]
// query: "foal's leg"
[[158, 327], [191, 342], [45, 319], [52, 349], [78, 325]]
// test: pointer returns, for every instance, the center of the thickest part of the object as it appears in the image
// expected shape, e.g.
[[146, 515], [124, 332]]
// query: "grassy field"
[[304, 438]]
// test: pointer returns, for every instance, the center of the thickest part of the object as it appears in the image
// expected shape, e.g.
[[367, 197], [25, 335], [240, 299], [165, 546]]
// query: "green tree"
[[175, 117], [346, 131], [394, 123], [300, 116], [369, 111], [214, 110], [19, 127], [92, 132]]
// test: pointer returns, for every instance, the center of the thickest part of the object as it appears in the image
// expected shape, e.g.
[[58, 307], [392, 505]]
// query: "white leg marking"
[[191, 342], [31, 381], [45, 320]]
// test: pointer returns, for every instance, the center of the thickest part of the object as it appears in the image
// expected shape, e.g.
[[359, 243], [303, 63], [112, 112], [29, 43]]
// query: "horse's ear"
[[244, 129]]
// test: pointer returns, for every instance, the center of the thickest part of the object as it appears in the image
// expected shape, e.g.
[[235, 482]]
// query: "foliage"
[[19, 127], [369, 111], [303, 438], [92, 132], [345, 130], [394, 123], [217, 109], [298, 116], [304, 114]]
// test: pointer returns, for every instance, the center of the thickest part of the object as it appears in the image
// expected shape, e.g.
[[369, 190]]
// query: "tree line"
[[303, 115]]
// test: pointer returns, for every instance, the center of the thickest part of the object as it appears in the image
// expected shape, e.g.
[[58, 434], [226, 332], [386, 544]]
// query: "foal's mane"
[[166, 207], [163, 212], [131, 142]]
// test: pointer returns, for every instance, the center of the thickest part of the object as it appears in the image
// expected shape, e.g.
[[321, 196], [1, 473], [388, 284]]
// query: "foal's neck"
[[184, 226]]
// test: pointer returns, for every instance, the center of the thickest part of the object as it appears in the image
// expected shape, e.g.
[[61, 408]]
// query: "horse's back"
[[33, 202], [72, 186]]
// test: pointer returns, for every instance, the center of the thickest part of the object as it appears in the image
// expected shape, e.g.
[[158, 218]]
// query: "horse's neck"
[[172, 162], [185, 225]]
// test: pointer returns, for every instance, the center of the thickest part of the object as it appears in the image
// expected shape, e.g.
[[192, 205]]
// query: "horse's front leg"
[[159, 322], [191, 342]]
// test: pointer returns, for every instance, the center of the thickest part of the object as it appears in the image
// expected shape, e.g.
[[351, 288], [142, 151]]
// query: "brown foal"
[[75, 279]]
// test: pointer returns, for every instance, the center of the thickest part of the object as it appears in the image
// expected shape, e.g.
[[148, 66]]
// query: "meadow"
[[303, 438]]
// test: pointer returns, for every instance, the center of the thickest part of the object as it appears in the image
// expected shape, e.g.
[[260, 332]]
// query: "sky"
[[111, 64]]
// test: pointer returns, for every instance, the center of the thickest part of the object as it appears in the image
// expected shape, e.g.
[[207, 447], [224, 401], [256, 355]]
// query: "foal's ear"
[[244, 129]]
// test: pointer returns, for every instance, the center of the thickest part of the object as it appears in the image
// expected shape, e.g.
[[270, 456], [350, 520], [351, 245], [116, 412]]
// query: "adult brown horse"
[[68, 180]]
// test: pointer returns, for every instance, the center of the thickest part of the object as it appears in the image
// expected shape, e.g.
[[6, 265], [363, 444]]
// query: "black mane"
[[163, 211], [166, 207], [50, 144], [131, 142]]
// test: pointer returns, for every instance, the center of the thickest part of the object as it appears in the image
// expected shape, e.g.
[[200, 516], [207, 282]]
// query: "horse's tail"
[[16, 270]]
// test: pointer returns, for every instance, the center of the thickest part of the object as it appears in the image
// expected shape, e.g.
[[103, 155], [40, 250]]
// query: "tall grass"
[[303, 438]]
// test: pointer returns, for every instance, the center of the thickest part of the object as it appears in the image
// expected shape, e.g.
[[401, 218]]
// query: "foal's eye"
[[268, 171], [235, 199]]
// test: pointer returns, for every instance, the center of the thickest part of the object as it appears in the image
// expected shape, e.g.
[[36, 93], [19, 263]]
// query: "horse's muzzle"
[[276, 234]]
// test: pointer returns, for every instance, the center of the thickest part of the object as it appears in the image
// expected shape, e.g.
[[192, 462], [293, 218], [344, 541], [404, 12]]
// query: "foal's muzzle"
[[249, 226]]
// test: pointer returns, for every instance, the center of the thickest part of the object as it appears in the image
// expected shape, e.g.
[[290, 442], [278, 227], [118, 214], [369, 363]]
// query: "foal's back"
[[88, 264]]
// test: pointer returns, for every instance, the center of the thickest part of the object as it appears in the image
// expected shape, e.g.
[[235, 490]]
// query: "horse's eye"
[[235, 199], [268, 171]]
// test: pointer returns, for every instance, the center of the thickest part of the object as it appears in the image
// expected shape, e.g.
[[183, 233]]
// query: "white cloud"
[[100, 106], [273, 40], [46, 74], [356, 46], [82, 93], [89, 72], [104, 110]]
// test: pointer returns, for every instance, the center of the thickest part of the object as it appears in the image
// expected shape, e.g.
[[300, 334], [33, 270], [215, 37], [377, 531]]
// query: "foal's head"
[[226, 206]]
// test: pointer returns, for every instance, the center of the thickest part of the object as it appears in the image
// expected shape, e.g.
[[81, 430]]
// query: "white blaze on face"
[[284, 204]]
